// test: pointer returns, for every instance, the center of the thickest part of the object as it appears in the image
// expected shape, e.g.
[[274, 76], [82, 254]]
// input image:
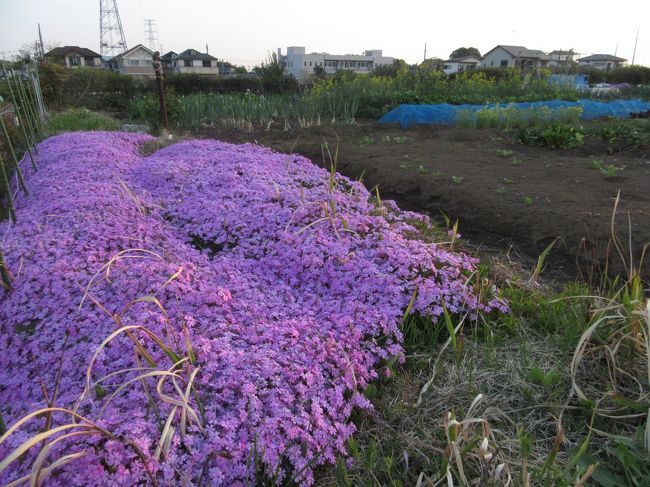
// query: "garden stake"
[[10, 199], [19, 173]]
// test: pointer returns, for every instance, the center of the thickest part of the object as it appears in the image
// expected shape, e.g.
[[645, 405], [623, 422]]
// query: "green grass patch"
[[77, 119]]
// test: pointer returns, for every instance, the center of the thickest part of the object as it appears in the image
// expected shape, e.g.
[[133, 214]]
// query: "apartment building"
[[301, 64]]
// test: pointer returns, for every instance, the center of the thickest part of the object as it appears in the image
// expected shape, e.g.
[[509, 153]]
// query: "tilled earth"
[[502, 192]]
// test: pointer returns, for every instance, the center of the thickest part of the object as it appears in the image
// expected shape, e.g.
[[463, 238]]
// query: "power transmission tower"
[[111, 34], [151, 34]]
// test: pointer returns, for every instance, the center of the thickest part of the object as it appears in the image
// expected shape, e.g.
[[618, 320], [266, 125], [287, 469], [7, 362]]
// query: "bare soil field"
[[501, 191]]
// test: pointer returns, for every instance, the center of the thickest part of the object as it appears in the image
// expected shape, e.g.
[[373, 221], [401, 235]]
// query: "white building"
[[137, 61], [460, 64], [602, 61], [561, 58], [302, 65]]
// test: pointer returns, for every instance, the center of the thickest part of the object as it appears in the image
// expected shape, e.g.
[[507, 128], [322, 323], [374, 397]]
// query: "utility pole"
[[157, 67], [425, 52], [42, 49], [635, 43]]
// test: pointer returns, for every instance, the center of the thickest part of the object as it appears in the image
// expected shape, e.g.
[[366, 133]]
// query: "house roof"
[[462, 59], [132, 50], [560, 52], [520, 51], [194, 54], [602, 57], [67, 50], [168, 56]]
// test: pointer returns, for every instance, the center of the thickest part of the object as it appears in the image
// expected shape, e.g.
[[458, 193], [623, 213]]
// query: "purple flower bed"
[[292, 286]]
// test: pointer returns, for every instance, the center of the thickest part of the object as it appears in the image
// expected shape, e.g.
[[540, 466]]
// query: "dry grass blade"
[[37, 467], [429, 383], [133, 197], [60, 462], [36, 439], [124, 254], [168, 431], [84, 426]]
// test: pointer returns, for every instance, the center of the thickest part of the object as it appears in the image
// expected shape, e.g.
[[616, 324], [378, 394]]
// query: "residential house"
[[514, 56], [190, 61], [137, 61], [561, 58], [602, 61], [301, 65], [458, 65], [75, 57]]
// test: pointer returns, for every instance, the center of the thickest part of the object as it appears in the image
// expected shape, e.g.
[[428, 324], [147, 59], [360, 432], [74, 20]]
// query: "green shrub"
[[556, 135], [146, 108]]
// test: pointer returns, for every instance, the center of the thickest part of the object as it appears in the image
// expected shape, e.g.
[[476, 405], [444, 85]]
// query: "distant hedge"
[[636, 75], [100, 89]]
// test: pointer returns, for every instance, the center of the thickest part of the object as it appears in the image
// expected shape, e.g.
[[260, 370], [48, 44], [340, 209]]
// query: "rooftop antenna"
[[111, 33], [151, 33], [635, 43]]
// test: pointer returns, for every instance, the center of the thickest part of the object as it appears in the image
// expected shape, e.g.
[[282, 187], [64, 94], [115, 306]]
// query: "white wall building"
[[137, 61], [602, 61], [514, 56], [458, 65], [301, 65]]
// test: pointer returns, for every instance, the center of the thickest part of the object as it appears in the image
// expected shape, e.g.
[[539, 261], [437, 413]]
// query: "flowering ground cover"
[[253, 296]]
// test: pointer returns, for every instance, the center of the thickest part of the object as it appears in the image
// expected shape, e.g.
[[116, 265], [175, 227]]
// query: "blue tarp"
[[446, 114], [578, 81]]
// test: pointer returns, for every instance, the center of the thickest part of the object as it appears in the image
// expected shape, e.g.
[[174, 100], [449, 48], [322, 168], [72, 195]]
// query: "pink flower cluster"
[[291, 284]]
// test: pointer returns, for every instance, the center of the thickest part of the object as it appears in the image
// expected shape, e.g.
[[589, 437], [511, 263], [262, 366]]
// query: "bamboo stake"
[[20, 121], [23, 107], [10, 198], [31, 106], [19, 173]]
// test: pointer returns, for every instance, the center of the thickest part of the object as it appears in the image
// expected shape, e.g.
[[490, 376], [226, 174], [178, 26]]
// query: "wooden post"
[[5, 275], [157, 66]]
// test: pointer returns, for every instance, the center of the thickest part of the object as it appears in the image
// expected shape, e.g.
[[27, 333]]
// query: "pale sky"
[[244, 31]]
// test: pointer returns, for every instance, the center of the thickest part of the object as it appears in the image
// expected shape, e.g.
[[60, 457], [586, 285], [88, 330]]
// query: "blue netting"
[[446, 114]]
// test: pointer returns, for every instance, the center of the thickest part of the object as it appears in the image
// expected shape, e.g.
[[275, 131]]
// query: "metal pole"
[[635, 43], [42, 49]]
